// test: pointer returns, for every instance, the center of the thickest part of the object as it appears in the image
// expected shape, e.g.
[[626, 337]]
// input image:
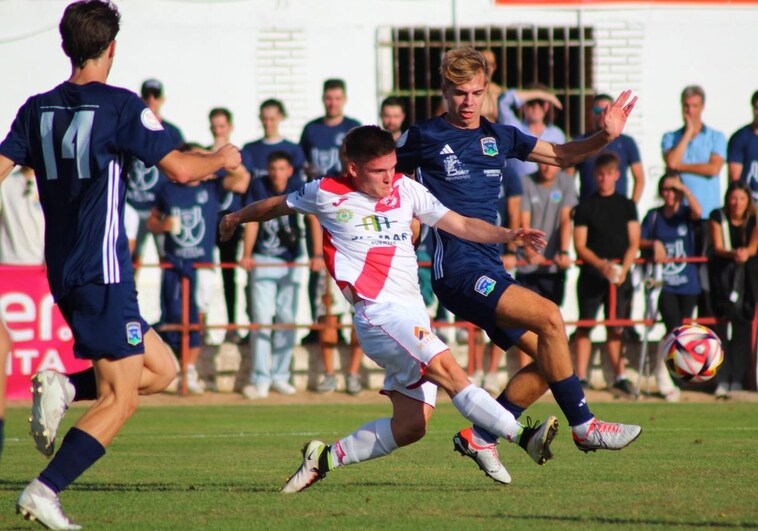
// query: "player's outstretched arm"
[[479, 231], [186, 167], [262, 210], [574, 152]]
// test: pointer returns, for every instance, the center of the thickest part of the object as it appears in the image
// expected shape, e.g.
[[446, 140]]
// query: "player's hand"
[[533, 257], [227, 226], [530, 238], [247, 263], [232, 156], [614, 116]]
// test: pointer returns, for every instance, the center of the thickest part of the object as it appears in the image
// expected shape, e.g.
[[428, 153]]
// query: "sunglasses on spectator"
[[598, 110], [669, 189]]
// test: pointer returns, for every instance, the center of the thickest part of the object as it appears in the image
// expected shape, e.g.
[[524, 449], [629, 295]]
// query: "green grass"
[[220, 467]]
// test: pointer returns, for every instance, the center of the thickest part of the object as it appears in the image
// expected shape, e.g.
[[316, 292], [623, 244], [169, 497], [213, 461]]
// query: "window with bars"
[[558, 57]]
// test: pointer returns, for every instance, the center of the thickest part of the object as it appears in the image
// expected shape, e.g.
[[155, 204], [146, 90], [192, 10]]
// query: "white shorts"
[[205, 289], [399, 339]]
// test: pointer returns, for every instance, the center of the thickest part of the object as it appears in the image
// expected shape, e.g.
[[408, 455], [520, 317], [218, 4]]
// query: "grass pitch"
[[221, 467]]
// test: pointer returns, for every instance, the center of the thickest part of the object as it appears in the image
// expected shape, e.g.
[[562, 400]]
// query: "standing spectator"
[[669, 232], [625, 149], [733, 269], [697, 153], [535, 103], [321, 142], [548, 201], [221, 129], [606, 230], [188, 213], [145, 181], [392, 114], [22, 225], [742, 152], [255, 154], [273, 287], [489, 106]]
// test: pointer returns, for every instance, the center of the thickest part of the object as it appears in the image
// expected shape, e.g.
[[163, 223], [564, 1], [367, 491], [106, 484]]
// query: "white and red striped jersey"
[[367, 241]]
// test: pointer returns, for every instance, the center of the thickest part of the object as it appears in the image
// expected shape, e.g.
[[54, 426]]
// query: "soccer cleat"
[[39, 503], [52, 393], [485, 457], [536, 439], [607, 436], [309, 472]]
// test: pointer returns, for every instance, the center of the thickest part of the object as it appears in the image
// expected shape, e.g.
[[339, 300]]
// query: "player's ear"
[[112, 49], [352, 168]]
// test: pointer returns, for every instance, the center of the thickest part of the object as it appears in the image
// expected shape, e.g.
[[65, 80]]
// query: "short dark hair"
[[272, 102], [367, 142], [754, 98], [334, 83], [87, 28], [607, 159], [670, 174], [275, 156], [220, 111], [393, 101]]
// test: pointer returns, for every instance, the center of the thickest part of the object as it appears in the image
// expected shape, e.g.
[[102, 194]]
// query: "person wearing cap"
[[144, 182]]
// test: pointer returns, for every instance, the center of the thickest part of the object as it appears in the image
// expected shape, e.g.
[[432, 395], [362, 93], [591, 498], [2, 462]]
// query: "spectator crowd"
[[588, 212]]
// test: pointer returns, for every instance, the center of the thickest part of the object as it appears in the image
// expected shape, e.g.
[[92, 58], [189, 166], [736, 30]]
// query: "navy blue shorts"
[[105, 321], [171, 308], [473, 297]]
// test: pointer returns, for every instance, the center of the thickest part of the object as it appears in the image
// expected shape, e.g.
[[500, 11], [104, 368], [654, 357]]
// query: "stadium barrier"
[[42, 340]]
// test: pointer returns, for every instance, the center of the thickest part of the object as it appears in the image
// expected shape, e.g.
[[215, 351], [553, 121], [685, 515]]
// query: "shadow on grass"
[[18, 486], [627, 521]]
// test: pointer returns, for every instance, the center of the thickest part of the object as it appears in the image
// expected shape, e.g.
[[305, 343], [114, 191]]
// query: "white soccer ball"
[[693, 353]]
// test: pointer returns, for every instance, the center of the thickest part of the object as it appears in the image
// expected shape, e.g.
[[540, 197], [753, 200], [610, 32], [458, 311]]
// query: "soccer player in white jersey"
[[366, 218], [78, 137], [459, 157]]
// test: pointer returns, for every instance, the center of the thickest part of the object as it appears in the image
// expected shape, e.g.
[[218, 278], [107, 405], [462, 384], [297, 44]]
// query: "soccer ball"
[[692, 352]]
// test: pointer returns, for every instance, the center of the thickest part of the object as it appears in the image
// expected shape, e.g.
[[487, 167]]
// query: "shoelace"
[[532, 425], [606, 427]]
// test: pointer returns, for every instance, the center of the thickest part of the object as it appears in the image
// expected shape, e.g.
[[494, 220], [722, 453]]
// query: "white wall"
[[237, 53]]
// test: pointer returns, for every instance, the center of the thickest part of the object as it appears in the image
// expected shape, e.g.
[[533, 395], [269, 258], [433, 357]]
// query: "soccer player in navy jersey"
[[459, 156], [79, 138]]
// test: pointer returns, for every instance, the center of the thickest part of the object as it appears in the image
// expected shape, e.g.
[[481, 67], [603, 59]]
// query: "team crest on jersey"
[[133, 333], [344, 215], [150, 121], [556, 196], [489, 146], [390, 202], [202, 197], [681, 230], [484, 285]]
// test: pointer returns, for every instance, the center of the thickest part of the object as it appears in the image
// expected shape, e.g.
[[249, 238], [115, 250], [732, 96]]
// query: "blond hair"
[[460, 65]]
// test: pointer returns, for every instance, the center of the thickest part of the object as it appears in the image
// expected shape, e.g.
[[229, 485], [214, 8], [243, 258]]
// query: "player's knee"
[[551, 322], [410, 432]]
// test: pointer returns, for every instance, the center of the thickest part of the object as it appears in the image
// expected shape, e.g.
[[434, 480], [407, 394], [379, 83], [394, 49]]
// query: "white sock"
[[479, 407], [370, 441]]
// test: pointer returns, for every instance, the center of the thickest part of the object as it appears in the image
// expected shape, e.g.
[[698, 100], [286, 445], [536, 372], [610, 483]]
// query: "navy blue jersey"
[[272, 234], [321, 144], [144, 181], [78, 139], [255, 156], [743, 148], [463, 168], [197, 207], [677, 234]]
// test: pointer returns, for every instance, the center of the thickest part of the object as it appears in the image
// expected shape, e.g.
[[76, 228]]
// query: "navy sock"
[[570, 397], [515, 410], [2, 435], [85, 384], [79, 451]]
